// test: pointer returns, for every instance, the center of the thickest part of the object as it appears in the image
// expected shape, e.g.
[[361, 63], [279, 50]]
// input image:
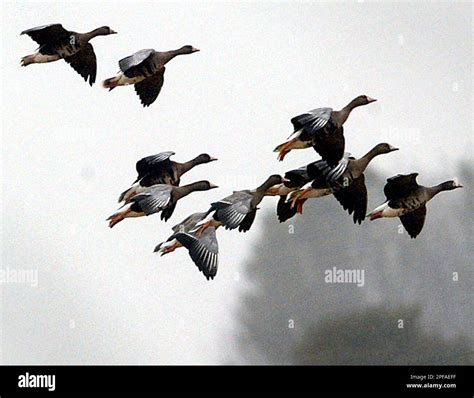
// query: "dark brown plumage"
[[157, 198], [407, 200], [58, 43], [321, 128], [145, 69], [159, 169]]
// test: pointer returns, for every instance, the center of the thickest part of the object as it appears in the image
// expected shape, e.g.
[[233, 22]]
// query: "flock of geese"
[[144, 69], [157, 187]]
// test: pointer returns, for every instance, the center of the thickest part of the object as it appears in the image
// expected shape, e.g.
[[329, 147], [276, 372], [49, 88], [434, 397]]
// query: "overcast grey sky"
[[69, 150]]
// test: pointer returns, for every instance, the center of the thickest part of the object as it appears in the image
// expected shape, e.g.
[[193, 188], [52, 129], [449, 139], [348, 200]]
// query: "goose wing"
[[331, 173], [84, 62], [298, 177], [400, 186], [317, 126], [284, 209], [203, 250], [154, 199], [329, 143], [248, 221], [164, 175], [168, 212], [354, 199], [232, 210], [189, 222], [149, 89], [46, 33], [312, 121], [141, 63], [152, 163], [414, 221]]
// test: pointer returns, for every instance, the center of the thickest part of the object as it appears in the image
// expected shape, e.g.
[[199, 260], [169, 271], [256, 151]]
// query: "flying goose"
[[322, 129], [159, 197], [239, 209], [171, 244], [56, 43], [145, 69], [407, 200], [203, 248], [159, 169], [345, 181]]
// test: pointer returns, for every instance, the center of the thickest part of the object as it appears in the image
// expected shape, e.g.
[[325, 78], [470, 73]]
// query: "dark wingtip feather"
[[284, 210], [204, 257]]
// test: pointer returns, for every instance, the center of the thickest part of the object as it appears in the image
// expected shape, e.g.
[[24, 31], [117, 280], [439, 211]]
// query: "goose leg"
[[299, 207], [285, 148], [300, 197], [202, 228], [375, 216]]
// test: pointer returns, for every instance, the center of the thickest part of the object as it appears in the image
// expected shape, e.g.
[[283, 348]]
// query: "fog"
[[68, 150]]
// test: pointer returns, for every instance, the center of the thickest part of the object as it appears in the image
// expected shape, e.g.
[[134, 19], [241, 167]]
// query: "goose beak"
[[194, 50], [369, 100], [212, 159], [213, 186], [285, 180], [392, 148], [113, 32], [457, 184]]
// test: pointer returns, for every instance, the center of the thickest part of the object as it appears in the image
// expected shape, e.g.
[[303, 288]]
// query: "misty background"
[[68, 150]]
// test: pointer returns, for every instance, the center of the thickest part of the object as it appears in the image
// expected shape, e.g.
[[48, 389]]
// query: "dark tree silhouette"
[[375, 337], [289, 294]]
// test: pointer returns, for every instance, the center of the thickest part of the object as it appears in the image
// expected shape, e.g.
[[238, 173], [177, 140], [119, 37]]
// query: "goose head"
[[205, 158], [451, 184], [188, 50], [105, 31], [274, 179], [361, 100], [205, 185], [383, 148]]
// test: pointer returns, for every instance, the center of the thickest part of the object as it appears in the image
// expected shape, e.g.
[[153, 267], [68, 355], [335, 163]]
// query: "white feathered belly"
[[384, 210], [123, 80]]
